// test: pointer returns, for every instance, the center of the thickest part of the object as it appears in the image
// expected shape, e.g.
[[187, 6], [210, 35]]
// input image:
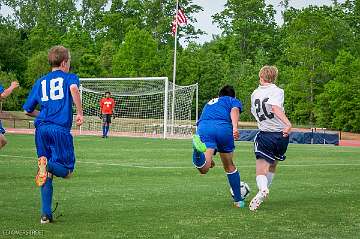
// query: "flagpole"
[[174, 71]]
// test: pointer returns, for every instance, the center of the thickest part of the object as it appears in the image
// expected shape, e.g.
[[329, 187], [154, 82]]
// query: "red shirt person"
[[107, 105]]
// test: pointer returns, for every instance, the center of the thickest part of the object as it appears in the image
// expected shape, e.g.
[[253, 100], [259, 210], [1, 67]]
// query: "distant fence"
[[17, 123], [247, 133]]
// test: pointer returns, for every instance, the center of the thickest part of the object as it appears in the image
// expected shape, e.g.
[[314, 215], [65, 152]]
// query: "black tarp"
[[298, 137]]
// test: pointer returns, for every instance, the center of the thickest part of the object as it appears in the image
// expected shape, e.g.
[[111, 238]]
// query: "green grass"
[[147, 188]]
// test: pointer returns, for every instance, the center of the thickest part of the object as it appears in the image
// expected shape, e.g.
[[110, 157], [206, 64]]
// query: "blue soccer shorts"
[[2, 130], [217, 136], [270, 146], [56, 144]]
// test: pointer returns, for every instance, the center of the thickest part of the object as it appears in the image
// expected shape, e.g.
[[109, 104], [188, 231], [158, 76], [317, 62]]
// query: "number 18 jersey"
[[52, 93], [262, 100]]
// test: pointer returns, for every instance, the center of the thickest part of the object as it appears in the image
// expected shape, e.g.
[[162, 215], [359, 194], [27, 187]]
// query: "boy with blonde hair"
[[270, 144]]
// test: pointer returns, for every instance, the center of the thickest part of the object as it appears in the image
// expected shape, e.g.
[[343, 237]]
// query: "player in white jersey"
[[270, 144]]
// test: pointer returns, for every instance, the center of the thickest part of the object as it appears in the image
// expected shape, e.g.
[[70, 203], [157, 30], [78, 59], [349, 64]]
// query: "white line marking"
[[181, 167], [134, 166], [324, 164], [17, 156]]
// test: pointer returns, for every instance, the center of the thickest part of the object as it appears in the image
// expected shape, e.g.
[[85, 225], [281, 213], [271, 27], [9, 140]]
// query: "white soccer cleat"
[[45, 219], [258, 199]]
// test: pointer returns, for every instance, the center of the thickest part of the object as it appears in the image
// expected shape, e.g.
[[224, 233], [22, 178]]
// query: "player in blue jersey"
[[3, 94], [217, 129], [55, 94]]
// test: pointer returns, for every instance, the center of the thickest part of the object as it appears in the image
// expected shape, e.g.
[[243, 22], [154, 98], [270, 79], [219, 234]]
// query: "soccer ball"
[[244, 190]]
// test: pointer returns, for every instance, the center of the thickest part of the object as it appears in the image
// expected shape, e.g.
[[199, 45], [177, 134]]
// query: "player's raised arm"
[[281, 115], [234, 115], [9, 90], [3, 94], [77, 101]]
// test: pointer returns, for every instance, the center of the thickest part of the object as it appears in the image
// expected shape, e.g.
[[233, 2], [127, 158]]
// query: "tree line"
[[316, 49]]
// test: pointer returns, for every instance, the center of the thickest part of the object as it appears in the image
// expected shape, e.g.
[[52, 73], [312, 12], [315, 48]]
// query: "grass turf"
[[147, 188]]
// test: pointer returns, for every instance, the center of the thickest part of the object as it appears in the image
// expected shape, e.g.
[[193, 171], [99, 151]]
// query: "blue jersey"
[[219, 109], [52, 93], [2, 130]]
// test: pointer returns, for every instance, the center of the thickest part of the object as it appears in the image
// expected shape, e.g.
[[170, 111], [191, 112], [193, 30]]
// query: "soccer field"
[[147, 188]]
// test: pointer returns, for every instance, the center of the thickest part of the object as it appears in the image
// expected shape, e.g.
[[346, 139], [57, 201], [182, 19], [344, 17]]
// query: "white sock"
[[262, 182], [270, 177]]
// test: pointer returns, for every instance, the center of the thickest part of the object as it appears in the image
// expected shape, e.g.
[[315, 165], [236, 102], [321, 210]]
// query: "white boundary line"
[[180, 167]]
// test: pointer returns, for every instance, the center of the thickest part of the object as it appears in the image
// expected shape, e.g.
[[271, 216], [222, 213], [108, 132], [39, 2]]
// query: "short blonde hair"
[[58, 54], [269, 73]]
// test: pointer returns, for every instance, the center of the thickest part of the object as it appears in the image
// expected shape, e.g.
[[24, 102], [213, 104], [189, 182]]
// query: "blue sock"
[[234, 181], [57, 169], [46, 197], [104, 130], [198, 159], [107, 130]]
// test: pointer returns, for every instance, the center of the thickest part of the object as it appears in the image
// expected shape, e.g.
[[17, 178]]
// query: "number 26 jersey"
[[262, 100], [52, 93]]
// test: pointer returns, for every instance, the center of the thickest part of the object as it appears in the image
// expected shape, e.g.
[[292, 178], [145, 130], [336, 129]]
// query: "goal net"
[[143, 107]]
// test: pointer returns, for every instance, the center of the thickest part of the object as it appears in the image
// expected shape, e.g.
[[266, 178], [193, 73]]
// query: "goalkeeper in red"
[[270, 144], [107, 105]]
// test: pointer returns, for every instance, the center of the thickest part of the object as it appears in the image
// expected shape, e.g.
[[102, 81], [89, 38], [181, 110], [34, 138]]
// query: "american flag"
[[181, 20]]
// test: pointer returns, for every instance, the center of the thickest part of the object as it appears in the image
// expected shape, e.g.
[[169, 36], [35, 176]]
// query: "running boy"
[[217, 129], [55, 94], [270, 144]]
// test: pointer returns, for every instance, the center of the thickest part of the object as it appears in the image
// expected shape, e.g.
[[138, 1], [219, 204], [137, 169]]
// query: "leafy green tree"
[[308, 49], [250, 24], [12, 58], [245, 83], [44, 21], [137, 56], [188, 65], [106, 57], [91, 16], [338, 106], [155, 16], [37, 66], [350, 10], [89, 66]]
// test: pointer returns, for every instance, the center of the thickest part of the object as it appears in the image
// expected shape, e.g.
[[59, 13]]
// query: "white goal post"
[[143, 107]]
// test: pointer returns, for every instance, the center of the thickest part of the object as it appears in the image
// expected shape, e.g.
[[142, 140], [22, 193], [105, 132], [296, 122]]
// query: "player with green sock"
[[217, 129]]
